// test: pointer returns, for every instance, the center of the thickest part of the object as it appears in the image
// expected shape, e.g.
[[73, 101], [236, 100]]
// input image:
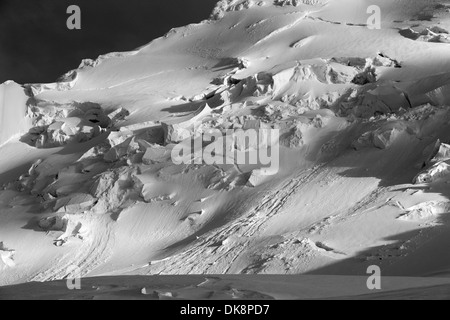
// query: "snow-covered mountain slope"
[[13, 121], [361, 113]]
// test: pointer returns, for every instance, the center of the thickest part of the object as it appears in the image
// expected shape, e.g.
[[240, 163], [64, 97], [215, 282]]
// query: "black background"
[[36, 46]]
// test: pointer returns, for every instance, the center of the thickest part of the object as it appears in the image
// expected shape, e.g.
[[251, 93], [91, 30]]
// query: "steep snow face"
[[359, 114], [13, 110]]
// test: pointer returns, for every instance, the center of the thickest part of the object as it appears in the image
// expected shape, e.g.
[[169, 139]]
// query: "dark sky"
[[36, 46]]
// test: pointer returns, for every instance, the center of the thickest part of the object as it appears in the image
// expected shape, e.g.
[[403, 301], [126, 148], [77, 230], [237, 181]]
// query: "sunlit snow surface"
[[364, 162]]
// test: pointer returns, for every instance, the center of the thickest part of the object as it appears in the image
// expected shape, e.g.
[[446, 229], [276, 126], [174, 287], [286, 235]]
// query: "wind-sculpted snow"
[[434, 34], [66, 82], [224, 6], [276, 137], [424, 211]]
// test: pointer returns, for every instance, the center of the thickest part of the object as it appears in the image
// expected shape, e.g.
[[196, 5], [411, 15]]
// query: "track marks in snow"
[[218, 252], [129, 81], [91, 253], [320, 226], [365, 205], [282, 29]]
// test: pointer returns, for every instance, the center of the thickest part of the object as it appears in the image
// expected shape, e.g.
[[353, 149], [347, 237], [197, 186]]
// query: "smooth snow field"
[[363, 178]]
